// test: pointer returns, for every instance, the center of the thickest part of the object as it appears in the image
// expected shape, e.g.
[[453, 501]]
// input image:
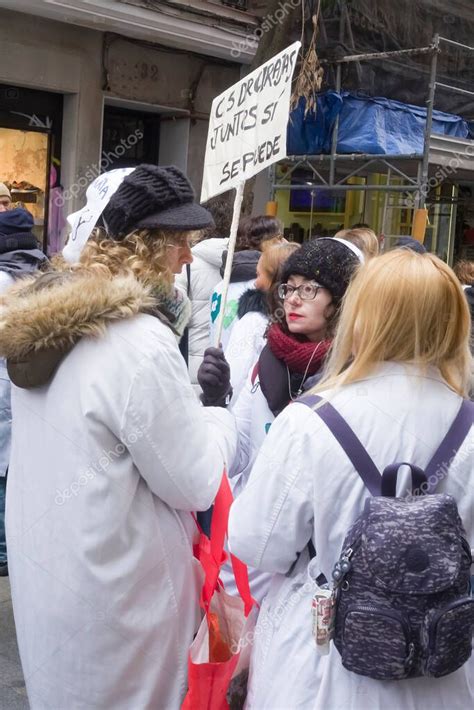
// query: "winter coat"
[[246, 340], [107, 464], [19, 255], [207, 260], [243, 275], [303, 487], [5, 409]]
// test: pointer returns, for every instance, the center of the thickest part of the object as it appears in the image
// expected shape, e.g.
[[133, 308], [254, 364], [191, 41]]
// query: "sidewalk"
[[12, 686]]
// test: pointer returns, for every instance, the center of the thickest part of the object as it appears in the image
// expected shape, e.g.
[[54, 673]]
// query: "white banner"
[[247, 126]]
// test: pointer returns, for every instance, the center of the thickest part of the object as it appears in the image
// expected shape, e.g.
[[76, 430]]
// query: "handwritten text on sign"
[[247, 128]]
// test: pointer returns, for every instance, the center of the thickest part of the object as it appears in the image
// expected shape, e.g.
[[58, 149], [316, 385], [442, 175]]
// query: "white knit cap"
[[4, 191]]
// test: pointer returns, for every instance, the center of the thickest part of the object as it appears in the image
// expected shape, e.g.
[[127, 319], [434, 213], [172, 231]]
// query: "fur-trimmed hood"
[[41, 319], [251, 301]]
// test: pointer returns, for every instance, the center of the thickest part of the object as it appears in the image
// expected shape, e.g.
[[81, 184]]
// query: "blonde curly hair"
[[142, 253]]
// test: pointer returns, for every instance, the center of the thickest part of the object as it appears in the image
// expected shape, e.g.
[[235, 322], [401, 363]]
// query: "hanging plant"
[[311, 73]]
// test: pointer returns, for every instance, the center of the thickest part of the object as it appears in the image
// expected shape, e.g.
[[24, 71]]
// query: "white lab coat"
[[205, 274], [108, 461], [303, 487], [243, 349], [235, 291]]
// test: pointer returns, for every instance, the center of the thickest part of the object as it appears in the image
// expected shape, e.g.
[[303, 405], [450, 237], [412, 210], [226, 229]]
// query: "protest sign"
[[83, 221], [247, 126]]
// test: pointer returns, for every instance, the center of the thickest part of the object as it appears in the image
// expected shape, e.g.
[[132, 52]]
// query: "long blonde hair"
[[402, 307], [142, 253], [363, 238]]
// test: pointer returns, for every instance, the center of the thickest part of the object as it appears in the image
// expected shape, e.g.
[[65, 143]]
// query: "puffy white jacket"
[[108, 460], [243, 349], [205, 274], [303, 487]]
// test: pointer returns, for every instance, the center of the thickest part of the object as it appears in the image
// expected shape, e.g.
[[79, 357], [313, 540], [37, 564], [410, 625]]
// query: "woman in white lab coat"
[[108, 461], [398, 374]]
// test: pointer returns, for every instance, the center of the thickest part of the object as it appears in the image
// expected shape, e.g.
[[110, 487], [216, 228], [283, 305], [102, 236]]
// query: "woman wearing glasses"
[[248, 334], [302, 325], [108, 461]]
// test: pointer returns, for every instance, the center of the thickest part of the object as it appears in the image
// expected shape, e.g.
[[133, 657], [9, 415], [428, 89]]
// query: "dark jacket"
[[19, 252], [244, 265]]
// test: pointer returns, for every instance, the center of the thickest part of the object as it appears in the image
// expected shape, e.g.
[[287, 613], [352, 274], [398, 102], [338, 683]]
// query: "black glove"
[[214, 377]]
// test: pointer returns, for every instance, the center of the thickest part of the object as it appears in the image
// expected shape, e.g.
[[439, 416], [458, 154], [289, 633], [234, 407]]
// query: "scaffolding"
[[323, 166]]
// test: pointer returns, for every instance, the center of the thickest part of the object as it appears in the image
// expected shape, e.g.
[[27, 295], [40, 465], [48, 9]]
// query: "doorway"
[[129, 138]]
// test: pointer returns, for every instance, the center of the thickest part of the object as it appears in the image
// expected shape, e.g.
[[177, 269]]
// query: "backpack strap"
[[437, 468], [422, 481], [390, 475], [349, 442]]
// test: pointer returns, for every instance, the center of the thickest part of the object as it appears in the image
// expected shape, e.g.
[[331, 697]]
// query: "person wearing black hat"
[[108, 459], [302, 325], [410, 243], [19, 256]]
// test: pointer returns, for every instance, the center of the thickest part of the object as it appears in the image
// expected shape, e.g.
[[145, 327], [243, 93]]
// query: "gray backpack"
[[403, 594]]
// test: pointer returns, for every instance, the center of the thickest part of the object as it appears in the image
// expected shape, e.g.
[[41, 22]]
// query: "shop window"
[[30, 146], [25, 158]]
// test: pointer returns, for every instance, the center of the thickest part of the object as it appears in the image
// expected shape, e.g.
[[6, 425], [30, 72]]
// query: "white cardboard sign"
[[83, 221], [247, 126]]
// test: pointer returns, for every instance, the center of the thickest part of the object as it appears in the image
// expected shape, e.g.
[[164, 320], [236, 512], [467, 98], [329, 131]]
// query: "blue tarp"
[[366, 125]]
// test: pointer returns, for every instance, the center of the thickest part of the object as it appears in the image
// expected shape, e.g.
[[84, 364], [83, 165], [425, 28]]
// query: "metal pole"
[[456, 44], [352, 188], [452, 223], [272, 176], [378, 55], [385, 206], [429, 123], [352, 157], [455, 88], [335, 132], [311, 215]]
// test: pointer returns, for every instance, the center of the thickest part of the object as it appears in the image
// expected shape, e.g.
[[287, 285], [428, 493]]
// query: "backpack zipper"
[[343, 564]]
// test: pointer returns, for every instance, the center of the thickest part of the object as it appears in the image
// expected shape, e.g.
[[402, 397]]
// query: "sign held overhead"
[[247, 126]]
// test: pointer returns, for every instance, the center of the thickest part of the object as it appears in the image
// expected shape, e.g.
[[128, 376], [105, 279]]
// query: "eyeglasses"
[[306, 291], [190, 243]]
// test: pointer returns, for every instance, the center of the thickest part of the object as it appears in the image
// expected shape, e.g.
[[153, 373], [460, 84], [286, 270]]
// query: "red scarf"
[[296, 354]]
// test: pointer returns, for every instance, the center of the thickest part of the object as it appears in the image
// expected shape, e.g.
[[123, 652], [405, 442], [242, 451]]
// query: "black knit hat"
[[153, 197], [327, 261]]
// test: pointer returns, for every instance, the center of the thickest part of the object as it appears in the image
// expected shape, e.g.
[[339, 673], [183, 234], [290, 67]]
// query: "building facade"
[[87, 86]]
